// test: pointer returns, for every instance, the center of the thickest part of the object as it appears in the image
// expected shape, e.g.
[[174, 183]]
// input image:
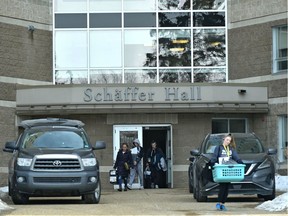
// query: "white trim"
[[25, 23], [10, 104], [260, 78], [20, 81], [280, 100], [259, 20]]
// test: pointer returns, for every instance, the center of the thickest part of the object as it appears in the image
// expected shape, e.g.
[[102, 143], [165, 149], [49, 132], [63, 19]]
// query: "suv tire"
[[268, 197], [93, 198], [198, 194], [18, 198]]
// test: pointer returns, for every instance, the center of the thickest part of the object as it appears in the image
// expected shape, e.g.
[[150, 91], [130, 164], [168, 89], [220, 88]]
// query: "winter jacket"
[[120, 160], [220, 152]]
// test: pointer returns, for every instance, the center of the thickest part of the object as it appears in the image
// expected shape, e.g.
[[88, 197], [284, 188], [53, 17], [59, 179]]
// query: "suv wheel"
[[198, 194], [190, 187], [93, 198], [18, 198], [268, 197]]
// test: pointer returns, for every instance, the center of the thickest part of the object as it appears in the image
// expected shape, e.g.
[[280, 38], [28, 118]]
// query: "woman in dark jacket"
[[222, 153], [123, 164]]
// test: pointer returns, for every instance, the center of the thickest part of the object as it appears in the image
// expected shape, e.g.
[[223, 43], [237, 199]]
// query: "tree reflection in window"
[[209, 4], [174, 4], [209, 75], [209, 47], [174, 47], [175, 76], [105, 76], [70, 77], [140, 76], [208, 19], [174, 19]]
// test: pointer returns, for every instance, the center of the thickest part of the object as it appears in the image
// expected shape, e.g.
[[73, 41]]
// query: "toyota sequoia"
[[53, 157]]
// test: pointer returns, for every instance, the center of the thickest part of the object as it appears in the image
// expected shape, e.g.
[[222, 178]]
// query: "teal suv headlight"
[[265, 164]]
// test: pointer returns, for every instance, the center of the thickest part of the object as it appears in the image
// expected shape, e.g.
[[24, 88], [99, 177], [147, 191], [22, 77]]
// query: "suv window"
[[55, 139]]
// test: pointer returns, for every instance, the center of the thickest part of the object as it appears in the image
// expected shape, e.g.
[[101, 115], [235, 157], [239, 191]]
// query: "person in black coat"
[[154, 155], [224, 153], [123, 164]]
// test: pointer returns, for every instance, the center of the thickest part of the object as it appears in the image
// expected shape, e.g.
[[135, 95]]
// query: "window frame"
[[228, 126], [275, 49]]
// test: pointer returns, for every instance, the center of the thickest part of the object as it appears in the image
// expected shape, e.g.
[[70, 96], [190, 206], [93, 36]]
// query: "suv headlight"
[[265, 164], [24, 161], [89, 162]]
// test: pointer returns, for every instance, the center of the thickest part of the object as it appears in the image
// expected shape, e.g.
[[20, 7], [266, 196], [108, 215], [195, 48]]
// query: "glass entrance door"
[[126, 134]]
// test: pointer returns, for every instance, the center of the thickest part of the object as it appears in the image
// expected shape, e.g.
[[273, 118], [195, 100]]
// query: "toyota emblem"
[[57, 163]]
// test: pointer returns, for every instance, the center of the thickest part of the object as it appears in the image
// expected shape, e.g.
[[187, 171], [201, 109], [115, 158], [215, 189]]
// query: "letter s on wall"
[[88, 95]]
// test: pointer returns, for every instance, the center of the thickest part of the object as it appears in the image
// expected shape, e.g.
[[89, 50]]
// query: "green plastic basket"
[[228, 173]]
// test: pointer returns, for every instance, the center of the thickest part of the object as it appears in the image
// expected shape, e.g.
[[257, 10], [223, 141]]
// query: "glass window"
[[140, 48], [105, 76], [174, 5], [105, 20], [209, 4], [175, 76], [70, 5], [171, 19], [139, 5], [280, 57], [237, 125], [209, 75], [229, 125], [140, 76], [140, 20], [105, 48], [208, 19], [209, 47], [70, 20], [220, 126], [70, 49], [174, 47], [283, 138], [105, 5], [71, 77]]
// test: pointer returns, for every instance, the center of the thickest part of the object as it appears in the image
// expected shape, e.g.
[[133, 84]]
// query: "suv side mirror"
[[99, 145], [195, 152], [272, 151], [10, 146]]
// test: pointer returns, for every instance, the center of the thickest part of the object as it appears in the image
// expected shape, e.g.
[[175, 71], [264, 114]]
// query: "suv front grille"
[[44, 164], [57, 179]]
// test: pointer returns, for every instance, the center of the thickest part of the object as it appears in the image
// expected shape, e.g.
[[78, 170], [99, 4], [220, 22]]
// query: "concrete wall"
[[25, 58], [39, 11]]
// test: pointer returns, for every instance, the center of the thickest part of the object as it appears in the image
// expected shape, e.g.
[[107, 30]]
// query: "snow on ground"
[[280, 203], [3, 193]]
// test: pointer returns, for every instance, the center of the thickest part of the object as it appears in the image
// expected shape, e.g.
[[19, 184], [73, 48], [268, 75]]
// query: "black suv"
[[259, 171], [53, 157]]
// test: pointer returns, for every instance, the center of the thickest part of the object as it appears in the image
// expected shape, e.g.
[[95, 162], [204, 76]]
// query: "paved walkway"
[[140, 202]]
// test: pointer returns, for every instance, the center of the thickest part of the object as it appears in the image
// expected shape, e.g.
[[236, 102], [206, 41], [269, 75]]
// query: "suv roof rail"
[[51, 122]]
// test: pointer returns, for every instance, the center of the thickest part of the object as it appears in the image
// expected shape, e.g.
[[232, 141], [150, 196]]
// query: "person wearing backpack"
[[157, 164]]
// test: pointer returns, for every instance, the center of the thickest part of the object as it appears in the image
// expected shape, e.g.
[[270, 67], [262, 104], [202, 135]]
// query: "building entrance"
[[161, 134]]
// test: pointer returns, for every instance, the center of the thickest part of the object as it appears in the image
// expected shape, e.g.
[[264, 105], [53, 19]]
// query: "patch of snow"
[[3, 205], [280, 203], [281, 183]]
